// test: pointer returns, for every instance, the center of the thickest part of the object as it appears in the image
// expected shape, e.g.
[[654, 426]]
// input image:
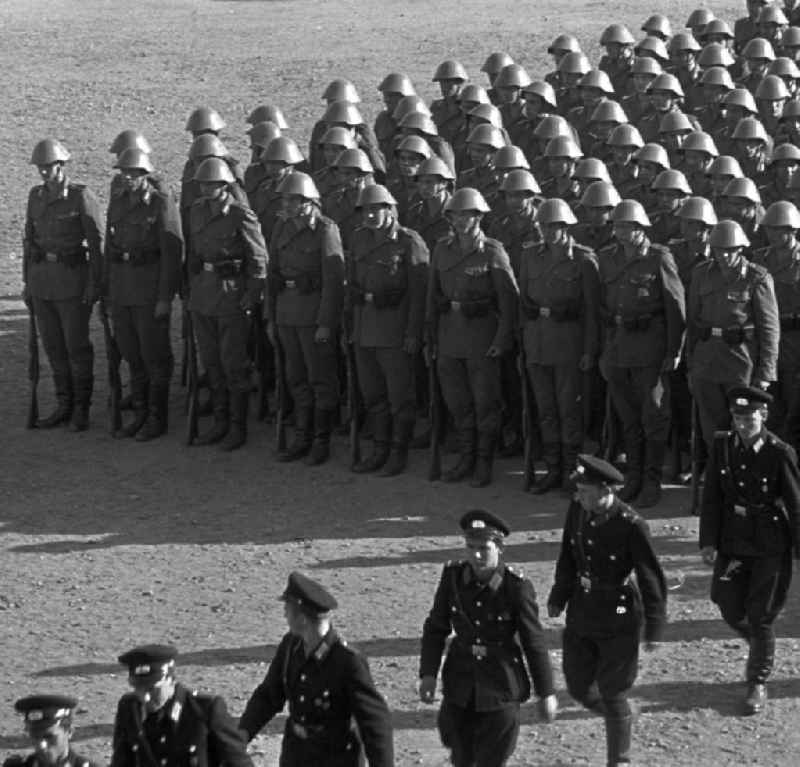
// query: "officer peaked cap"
[[482, 524], [592, 470], [148, 660], [45, 710], [313, 597], [746, 399]]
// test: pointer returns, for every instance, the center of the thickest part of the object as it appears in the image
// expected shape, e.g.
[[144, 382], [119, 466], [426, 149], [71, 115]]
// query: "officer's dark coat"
[[31, 760]]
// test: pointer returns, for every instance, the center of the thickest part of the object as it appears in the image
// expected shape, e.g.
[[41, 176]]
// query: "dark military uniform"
[[666, 226], [495, 623], [733, 331], [385, 130], [254, 174], [564, 187], [619, 72], [143, 257], [267, 203], [751, 516], [388, 288], [447, 116], [649, 124], [427, 218], [365, 140], [340, 207], [61, 270], [593, 237], [31, 760], [744, 30], [483, 179]]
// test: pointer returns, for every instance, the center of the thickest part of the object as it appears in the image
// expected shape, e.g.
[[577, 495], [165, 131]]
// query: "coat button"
[[163, 762], [302, 698], [477, 604], [477, 623], [163, 739], [588, 541], [302, 677]]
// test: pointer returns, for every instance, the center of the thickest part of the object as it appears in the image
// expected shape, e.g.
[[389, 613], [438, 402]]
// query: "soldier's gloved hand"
[[494, 351], [548, 708], [670, 364], [709, 554], [585, 363], [162, 309], [411, 345], [323, 335], [427, 689], [553, 610]]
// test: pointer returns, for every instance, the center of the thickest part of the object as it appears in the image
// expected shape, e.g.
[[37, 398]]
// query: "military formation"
[[605, 257]]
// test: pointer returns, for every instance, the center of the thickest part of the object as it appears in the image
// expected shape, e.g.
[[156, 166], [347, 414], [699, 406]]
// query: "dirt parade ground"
[[110, 543]]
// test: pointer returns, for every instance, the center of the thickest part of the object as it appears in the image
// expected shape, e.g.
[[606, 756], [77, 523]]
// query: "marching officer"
[[48, 725], [471, 311], [386, 288], [491, 610], [227, 262], [749, 530], [61, 273], [304, 306], [604, 541], [326, 684], [142, 274], [163, 722], [643, 304]]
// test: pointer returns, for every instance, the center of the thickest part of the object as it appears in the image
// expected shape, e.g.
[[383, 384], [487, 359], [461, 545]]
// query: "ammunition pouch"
[[225, 270], [733, 336]]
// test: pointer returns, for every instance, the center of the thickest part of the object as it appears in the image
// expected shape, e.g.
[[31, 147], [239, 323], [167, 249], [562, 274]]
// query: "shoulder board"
[[515, 572], [676, 242], [492, 244], [661, 250], [454, 563], [703, 265], [447, 239], [627, 512], [409, 233], [722, 434], [757, 270], [325, 221], [75, 187], [608, 248], [583, 250]]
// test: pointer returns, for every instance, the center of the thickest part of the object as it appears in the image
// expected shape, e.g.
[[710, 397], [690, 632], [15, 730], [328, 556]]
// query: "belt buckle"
[[208, 266], [290, 284], [126, 256], [716, 332], [300, 731], [479, 651], [740, 510], [369, 297], [544, 311], [455, 305], [51, 258]]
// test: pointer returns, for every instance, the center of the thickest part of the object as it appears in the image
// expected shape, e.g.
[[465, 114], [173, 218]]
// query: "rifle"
[[114, 360], [33, 369], [696, 447], [261, 361], [352, 398], [609, 436], [527, 422], [436, 416], [280, 396], [192, 379], [185, 355]]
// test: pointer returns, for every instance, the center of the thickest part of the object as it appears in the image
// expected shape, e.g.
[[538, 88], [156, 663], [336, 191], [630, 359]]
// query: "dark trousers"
[[386, 380], [222, 344], [299, 752], [478, 738], [312, 373], [471, 391], [712, 407], [64, 330], [641, 399], [557, 390], [144, 343], [750, 593], [784, 413]]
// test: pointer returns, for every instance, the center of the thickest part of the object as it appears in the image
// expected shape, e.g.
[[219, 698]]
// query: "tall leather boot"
[[618, 740], [466, 461], [139, 405], [321, 446], [64, 404], [401, 437], [485, 459], [83, 399], [156, 423], [650, 495], [633, 470], [237, 433], [381, 434], [551, 452], [303, 434], [219, 402], [760, 661]]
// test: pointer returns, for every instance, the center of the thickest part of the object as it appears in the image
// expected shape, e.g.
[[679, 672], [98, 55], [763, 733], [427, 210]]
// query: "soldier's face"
[[533, 105], [295, 206], [331, 151], [556, 233], [409, 162], [352, 178], [467, 106], [719, 182], [597, 216], [51, 744], [602, 129], [570, 79], [590, 496], [758, 67], [694, 231], [376, 216], [642, 82], [749, 425], [507, 94], [727, 258], [772, 32], [697, 160], [480, 155], [133, 178], [484, 556], [449, 88], [661, 100], [648, 171], [213, 190], [781, 236], [622, 155], [713, 94], [591, 96], [770, 108], [391, 100], [784, 171], [754, 7], [430, 186], [560, 167], [629, 234], [52, 173], [741, 208], [619, 51], [683, 59], [466, 223], [275, 169], [517, 202], [154, 692], [669, 199], [792, 52]]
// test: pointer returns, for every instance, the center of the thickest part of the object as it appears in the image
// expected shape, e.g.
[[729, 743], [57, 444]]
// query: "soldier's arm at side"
[[693, 306], [436, 628], [650, 578], [789, 477], [225, 738], [269, 697], [431, 310], [331, 300], [674, 305], [171, 244], [767, 322], [566, 570], [121, 752], [256, 254], [713, 500], [533, 641], [590, 278], [419, 260], [505, 286], [92, 222]]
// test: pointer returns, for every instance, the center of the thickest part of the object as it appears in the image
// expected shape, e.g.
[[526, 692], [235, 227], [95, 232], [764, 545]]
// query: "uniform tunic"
[[72, 760], [428, 220]]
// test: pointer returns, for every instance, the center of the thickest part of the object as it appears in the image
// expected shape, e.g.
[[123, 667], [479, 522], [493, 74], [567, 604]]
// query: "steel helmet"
[[512, 76], [520, 180], [625, 135], [130, 139], [630, 212], [207, 145], [282, 149], [495, 62], [771, 14], [698, 141], [354, 158], [204, 119], [646, 65], [608, 111], [742, 98], [699, 17], [338, 136], [750, 129], [791, 109], [671, 181], [341, 90], [725, 165], [784, 67], [591, 168], [669, 84], [510, 157], [616, 33], [727, 235], [555, 211], [684, 41], [563, 146], [450, 70], [675, 122], [342, 112], [474, 92], [552, 126], [565, 43], [782, 213], [718, 76], [436, 166], [375, 194], [410, 103], [397, 82], [262, 133], [544, 91], [715, 55], [487, 135], [758, 48], [466, 199], [772, 88], [698, 209], [415, 145], [486, 114], [790, 37], [298, 184], [213, 170], [134, 159], [652, 47], [265, 112], [574, 63], [785, 153], [654, 153], [719, 28], [657, 24], [743, 187], [597, 78], [421, 122], [600, 194]]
